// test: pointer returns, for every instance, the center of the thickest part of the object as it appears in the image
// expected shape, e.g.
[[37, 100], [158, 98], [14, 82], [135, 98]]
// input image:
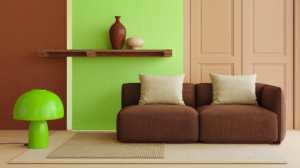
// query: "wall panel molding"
[[217, 68], [265, 69], [207, 24], [266, 20], [215, 38]]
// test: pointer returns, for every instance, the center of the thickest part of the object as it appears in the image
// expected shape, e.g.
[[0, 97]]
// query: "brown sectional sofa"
[[200, 121]]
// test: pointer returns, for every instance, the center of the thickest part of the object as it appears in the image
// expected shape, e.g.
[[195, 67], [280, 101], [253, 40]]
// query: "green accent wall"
[[97, 82]]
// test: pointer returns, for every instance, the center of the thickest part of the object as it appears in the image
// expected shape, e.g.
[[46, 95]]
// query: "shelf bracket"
[[90, 53]]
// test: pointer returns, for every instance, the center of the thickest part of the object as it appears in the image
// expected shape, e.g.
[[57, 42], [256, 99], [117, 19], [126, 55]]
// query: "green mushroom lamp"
[[38, 106]]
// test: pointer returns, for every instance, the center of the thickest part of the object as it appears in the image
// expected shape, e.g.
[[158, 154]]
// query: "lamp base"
[[38, 135]]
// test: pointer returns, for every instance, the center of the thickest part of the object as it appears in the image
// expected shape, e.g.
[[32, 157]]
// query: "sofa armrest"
[[273, 99]]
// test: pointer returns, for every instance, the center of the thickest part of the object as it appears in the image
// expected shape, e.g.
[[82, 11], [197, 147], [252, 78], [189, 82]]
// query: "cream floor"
[[289, 149]]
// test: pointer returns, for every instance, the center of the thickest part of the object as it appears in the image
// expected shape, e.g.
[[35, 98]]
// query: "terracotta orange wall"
[[25, 27]]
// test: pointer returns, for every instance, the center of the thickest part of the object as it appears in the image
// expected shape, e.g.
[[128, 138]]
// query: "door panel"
[[268, 45], [265, 69], [268, 20], [217, 68], [215, 38]]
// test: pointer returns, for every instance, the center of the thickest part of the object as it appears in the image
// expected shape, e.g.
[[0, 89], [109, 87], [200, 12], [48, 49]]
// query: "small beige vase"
[[134, 43]]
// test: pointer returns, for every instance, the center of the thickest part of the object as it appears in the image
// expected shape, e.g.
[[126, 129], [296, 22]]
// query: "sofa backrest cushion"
[[204, 93], [131, 93]]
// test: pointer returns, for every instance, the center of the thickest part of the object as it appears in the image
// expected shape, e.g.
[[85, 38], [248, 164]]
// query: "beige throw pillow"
[[233, 89], [161, 89]]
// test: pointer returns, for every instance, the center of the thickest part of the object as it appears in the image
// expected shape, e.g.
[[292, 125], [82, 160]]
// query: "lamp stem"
[[38, 134]]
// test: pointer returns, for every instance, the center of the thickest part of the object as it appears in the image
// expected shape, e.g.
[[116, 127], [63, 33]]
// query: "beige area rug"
[[174, 153], [99, 145]]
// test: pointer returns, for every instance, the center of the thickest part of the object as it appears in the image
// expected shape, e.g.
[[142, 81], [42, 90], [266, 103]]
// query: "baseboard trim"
[[100, 131]]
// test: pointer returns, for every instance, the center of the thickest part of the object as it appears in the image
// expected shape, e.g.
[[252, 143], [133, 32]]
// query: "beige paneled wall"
[[241, 37]]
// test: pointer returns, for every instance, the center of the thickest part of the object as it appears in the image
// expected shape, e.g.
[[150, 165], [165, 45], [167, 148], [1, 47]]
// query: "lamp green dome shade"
[[38, 106]]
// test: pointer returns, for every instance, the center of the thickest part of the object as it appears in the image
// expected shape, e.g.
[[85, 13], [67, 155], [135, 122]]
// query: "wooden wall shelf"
[[104, 53]]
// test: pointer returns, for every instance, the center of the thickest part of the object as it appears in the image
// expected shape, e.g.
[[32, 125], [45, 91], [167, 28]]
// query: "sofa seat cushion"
[[157, 123], [237, 124]]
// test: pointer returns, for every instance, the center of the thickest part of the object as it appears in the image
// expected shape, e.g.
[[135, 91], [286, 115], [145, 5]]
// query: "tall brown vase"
[[117, 34]]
